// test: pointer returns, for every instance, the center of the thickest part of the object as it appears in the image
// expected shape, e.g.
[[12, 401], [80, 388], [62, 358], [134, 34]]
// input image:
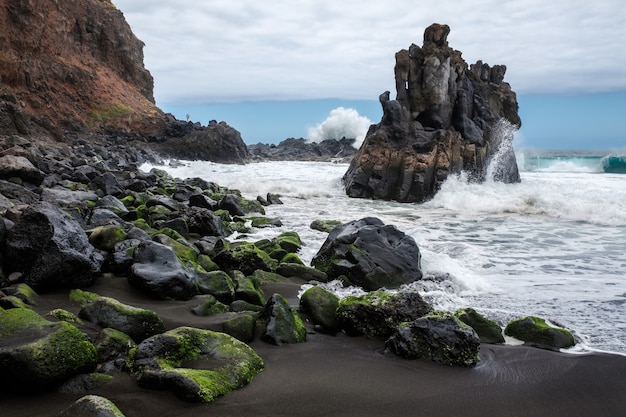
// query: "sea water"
[[552, 245]]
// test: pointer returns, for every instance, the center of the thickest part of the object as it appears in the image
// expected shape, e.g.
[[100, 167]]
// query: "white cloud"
[[246, 50]]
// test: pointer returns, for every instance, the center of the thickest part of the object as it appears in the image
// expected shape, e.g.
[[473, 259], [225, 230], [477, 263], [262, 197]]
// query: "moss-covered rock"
[[239, 306], [112, 344], [241, 328], [64, 315], [440, 337], [138, 323], [221, 363], [216, 283], [262, 222], [379, 313], [535, 331], [488, 330], [83, 298], [24, 292], [84, 383], [303, 272], [249, 289], [283, 323], [106, 237], [184, 250], [36, 353], [92, 405], [209, 306], [207, 263], [324, 225], [245, 257], [321, 305]]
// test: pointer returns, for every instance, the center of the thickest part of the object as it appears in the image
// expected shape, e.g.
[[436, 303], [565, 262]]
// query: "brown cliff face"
[[76, 64]]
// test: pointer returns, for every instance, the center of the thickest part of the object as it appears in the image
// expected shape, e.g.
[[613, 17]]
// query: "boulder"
[[321, 305], [242, 256], [324, 225], [19, 167], [379, 313], [369, 254], [283, 323], [218, 363], [137, 323], [488, 330], [440, 337], [536, 332], [241, 328], [37, 354], [50, 249], [217, 283], [446, 118], [112, 344], [157, 270], [92, 406], [209, 306]]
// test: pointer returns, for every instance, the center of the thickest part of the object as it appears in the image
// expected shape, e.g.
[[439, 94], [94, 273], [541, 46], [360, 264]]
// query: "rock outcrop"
[[447, 118], [300, 150], [76, 66]]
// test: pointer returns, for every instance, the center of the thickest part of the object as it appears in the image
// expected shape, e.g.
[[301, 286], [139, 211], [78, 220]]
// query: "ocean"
[[553, 245]]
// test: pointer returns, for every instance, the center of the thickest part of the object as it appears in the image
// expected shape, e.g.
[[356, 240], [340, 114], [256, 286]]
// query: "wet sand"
[[346, 376]]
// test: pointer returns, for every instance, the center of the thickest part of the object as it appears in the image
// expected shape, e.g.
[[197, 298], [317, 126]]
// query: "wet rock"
[[157, 270], [488, 330], [379, 313], [322, 306], [440, 337], [50, 249], [37, 354], [283, 323], [369, 254], [136, 322], [221, 363], [536, 332], [92, 406]]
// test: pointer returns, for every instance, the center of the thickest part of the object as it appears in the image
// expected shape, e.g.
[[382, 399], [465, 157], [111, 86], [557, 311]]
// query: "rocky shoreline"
[[83, 216]]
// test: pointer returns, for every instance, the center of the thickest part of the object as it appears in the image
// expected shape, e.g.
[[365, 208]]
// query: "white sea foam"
[[552, 245]]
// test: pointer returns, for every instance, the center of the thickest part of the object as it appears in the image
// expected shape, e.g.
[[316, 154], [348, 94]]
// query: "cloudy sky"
[[224, 57]]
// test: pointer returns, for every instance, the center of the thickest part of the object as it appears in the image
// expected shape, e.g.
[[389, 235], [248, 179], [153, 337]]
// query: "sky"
[[278, 71]]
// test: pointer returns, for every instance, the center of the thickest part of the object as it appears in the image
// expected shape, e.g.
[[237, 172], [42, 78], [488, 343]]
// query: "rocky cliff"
[[76, 66], [447, 117]]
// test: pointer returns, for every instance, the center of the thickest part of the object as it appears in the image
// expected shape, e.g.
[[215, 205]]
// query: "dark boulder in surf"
[[446, 118], [369, 254]]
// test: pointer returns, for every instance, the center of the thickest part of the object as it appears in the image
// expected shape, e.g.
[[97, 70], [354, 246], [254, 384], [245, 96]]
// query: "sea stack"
[[447, 117]]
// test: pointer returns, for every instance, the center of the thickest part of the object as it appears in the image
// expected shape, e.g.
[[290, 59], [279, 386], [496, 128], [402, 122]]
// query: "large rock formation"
[[76, 66], [446, 118]]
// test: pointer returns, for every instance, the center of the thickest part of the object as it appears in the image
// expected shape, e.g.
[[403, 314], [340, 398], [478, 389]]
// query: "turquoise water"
[[572, 161]]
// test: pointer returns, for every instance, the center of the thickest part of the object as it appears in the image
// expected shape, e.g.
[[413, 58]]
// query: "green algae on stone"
[[36, 353], [535, 331], [209, 306], [92, 405], [138, 323], [249, 289], [111, 344], [216, 283], [283, 323], [241, 328], [324, 225], [64, 315], [106, 237], [488, 330], [322, 306], [83, 298], [221, 363]]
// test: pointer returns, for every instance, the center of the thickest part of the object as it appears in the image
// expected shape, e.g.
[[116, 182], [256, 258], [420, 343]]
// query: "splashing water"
[[503, 162]]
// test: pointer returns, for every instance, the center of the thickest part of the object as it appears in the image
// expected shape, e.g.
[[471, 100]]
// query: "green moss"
[[324, 225], [207, 263], [24, 292], [210, 306], [292, 258], [536, 331], [239, 364], [128, 201], [19, 319], [64, 315], [83, 298], [262, 222], [106, 237], [11, 301], [184, 252]]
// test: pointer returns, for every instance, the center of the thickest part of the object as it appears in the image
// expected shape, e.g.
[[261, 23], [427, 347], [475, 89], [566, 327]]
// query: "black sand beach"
[[346, 376]]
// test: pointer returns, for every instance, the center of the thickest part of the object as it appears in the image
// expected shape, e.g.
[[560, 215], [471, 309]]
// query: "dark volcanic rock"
[[440, 337], [300, 150], [50, 249], [446, 119], [369, 254]]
